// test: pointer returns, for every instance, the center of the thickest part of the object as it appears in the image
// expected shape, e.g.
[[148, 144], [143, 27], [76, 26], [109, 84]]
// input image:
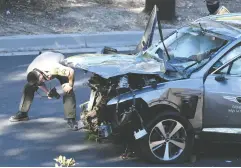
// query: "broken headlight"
[[123, 83]]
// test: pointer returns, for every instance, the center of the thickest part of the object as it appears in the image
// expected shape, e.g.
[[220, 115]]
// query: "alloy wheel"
[[167, 140]]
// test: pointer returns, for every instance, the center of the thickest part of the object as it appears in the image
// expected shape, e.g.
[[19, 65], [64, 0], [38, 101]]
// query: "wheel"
[[169, 140]]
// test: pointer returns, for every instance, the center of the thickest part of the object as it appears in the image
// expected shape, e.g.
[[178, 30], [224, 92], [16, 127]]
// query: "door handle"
[[238, 99]]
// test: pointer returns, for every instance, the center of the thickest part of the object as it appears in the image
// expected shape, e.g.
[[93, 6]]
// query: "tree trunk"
[[166, 8], [149, 4], [2, 3]]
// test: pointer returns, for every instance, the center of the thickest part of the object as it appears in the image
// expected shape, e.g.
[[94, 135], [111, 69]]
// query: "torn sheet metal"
[[113, 65], [230, 23]]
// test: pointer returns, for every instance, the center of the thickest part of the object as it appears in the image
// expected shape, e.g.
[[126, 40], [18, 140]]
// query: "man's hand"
[[67, 88], [49, 96]]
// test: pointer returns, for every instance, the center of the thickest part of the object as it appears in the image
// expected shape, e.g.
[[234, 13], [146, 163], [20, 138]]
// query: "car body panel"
[[171, 93], [146, 40], [113, 65], [221, 107]]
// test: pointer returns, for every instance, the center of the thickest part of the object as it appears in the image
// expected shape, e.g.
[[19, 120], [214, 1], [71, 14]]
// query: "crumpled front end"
[[108, 66], [97, 112]]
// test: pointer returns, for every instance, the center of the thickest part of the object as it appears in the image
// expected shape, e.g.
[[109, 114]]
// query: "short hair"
[[32, 78], [212, 6]]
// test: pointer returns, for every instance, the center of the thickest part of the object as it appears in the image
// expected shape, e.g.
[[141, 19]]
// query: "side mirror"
[[220, 78]]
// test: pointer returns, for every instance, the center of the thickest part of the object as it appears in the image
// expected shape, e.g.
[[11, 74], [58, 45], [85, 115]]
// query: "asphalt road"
[[38, 141]]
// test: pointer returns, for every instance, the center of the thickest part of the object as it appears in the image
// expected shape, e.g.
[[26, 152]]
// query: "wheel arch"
[[166, 110], [158, 109]]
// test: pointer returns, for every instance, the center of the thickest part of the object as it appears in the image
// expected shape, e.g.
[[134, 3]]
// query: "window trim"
[[232, 67], [235, 46], [227, 64]]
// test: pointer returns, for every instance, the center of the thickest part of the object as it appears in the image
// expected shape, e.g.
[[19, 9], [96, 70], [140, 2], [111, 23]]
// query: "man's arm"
[[67, 87], [67, 72], [71, 77]]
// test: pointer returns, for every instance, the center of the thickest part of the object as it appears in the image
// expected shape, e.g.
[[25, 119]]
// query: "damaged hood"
[[113, 65]]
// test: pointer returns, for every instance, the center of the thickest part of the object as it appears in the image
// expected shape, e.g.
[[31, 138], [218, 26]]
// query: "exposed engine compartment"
[[102, 90], [122, 83]]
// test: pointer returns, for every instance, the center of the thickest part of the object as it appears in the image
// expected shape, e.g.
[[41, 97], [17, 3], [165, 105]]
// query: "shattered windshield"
[[188, 43], [188, 46]]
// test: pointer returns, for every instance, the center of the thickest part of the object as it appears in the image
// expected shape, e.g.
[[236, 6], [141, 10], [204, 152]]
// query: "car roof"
[[225, 24]]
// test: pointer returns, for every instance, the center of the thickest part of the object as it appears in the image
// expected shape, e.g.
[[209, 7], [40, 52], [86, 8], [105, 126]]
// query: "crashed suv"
[[168, 92]]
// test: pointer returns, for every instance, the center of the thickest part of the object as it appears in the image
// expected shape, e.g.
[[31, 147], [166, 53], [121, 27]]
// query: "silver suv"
[[166, 93]]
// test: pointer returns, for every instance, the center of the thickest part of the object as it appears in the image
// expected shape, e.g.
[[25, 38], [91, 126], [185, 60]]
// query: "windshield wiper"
[[203, 30], [190, 66], [162, 39], [201, 27]]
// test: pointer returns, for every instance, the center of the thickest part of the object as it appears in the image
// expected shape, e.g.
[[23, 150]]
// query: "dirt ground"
[[88, 16]]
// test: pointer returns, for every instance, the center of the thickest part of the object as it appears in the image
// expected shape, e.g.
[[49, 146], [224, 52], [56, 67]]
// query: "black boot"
[[72, 124], [19, 116]]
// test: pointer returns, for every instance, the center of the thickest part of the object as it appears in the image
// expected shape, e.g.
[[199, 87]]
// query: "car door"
[[222, 94]]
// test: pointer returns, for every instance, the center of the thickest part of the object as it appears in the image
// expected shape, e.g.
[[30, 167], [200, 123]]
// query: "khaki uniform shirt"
[[49, 63]]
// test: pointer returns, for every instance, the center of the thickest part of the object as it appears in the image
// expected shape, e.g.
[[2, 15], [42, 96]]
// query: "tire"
[[179, 144]]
